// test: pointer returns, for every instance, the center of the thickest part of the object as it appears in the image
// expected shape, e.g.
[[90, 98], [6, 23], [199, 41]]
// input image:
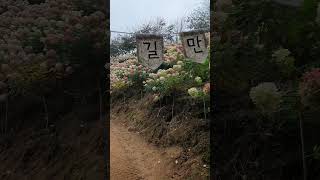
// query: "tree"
[[158, 26], [179, 26], [122, 44], [125, 43], [200, 17]]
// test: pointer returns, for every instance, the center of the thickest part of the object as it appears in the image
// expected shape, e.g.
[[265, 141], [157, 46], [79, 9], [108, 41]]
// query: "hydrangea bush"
[[126, 74], [53, 35], [266, 97], [179, 75], [284, 61], [178, 78], [173, 54], [165, 81], [200, 92]]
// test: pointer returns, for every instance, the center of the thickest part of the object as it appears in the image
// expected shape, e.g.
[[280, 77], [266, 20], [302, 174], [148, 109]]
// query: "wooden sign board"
[[195, 45], [150, 50]]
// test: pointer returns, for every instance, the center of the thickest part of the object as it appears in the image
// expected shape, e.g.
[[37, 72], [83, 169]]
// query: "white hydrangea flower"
[[198, 79], [180, 63], [177, 67], [266, 97], [193, 92], [154, 88]]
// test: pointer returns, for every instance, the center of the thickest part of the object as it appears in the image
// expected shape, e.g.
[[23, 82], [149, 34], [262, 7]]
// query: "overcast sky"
[[128, 14]]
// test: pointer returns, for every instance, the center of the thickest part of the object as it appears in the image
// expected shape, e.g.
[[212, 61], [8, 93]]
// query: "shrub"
[[173, 54], [266, 97], [166, 81], [284, 61], [50, 35], [126, 74]]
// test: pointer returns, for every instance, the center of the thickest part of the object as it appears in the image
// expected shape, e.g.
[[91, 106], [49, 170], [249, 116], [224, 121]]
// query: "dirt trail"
[[132, 158]]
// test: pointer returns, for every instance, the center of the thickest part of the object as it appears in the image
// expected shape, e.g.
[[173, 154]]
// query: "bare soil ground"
[[133, 158], [144, 147]]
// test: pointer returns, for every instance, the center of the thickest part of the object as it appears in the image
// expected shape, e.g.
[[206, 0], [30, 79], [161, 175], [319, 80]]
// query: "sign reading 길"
[[150, 50]]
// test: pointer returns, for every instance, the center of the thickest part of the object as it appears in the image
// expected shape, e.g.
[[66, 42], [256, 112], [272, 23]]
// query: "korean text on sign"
[[195, 45], [150, 50]]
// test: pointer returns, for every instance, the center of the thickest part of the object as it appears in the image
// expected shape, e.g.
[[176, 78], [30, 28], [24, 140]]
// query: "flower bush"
[[126, 74], [284, 61], [178, 74], [122, 57], [200, 92], [53, 35], [309, 88], [181, 78], [266, 97], [173, 53], [164, 81]]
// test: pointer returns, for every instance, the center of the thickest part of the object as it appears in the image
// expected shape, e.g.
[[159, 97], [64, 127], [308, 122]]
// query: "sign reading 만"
[[150, 50], [195, 45]]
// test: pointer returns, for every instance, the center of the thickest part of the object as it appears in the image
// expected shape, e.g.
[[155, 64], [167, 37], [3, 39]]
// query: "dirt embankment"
[[133, 158], [146, 144]]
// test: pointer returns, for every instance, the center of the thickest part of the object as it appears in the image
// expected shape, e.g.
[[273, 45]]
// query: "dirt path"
[[132, 158]]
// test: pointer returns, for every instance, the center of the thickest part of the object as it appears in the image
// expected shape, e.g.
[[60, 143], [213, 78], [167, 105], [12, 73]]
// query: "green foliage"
[[196, 69], [122, 45], [137, 78], [166, 85], [239, 67], [181, 77]]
